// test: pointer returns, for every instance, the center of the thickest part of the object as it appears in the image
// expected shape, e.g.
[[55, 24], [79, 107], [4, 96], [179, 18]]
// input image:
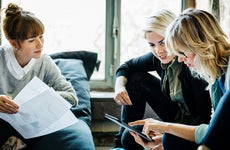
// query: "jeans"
[[75, 137]]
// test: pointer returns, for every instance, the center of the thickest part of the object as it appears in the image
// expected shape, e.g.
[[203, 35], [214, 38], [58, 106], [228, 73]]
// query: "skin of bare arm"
[[121, 95], [184, 131]]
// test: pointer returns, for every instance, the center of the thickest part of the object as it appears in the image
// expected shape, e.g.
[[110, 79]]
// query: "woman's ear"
[[14, 44]]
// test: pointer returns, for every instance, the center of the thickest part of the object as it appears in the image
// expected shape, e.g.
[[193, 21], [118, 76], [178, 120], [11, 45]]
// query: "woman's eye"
[[162, 42], [151, 45], [183, 54], [30, 41], [41, 37]]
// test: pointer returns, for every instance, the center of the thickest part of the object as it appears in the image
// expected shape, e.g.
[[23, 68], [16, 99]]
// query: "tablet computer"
[[126, 126]]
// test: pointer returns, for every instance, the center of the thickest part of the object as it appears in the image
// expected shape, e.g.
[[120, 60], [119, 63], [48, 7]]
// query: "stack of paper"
[[41, 111]]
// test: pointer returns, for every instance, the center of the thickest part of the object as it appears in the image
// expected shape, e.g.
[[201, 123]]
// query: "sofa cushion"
[[89, 59], [77, 67]]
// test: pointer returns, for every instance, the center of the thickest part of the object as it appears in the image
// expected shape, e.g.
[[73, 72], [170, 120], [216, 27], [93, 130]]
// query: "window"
[[133, 15], [224, 12], [225, 16], [112, 28], [71, 25]]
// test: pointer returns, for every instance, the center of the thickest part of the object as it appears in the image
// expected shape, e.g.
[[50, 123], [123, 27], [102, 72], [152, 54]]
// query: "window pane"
[[133, 14], [71, 25], [225, 16]]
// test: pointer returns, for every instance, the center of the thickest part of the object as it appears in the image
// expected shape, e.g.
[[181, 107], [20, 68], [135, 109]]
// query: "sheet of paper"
[[41, 111]]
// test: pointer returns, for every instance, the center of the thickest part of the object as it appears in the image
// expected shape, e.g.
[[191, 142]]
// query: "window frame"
[[112, 44], [112, 47], [112, 10]]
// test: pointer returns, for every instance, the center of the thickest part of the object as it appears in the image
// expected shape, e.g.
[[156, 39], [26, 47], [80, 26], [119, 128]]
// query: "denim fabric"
[[75, 137]]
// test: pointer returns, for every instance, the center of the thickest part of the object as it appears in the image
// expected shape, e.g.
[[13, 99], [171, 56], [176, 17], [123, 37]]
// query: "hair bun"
[[12, 10]]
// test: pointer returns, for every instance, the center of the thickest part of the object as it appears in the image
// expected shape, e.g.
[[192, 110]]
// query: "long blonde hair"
[[198, 32]]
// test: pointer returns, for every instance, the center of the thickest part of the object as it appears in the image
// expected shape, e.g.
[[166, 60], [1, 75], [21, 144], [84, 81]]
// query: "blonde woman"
[[168, 96], [198, 40]]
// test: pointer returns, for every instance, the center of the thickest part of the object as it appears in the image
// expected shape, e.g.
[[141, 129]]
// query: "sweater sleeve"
[[200, 132], [58, 82]]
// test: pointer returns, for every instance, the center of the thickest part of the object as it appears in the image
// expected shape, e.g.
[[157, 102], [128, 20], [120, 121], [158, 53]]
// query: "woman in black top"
[[177, 96]]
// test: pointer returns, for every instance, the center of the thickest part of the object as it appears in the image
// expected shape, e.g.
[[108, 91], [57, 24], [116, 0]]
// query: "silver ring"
[[118, 101]]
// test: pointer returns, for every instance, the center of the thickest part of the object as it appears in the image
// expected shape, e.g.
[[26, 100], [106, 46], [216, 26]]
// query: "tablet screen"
[[130, 128]]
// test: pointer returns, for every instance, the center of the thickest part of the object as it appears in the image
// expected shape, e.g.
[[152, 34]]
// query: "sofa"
[[77, 67]]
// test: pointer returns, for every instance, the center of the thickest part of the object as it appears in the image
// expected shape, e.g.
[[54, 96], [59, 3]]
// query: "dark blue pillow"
[[77, 67], [89, 59]]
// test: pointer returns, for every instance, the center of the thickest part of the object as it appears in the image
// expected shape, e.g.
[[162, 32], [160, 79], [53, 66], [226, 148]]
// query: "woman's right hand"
[[7, 105], [156, 145], [122, 97]]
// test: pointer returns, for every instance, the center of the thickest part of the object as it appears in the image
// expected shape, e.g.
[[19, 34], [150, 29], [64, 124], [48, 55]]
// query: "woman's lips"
[[162, 57], [38, 51]]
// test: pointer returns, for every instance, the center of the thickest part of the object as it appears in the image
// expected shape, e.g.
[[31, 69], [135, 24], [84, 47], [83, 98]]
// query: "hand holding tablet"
[[130, 128]]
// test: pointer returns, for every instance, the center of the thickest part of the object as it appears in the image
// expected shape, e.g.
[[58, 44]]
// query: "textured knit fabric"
[[44, 68]]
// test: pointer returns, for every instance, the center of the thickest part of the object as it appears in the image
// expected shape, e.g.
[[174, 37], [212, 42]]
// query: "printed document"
[[41, 111]]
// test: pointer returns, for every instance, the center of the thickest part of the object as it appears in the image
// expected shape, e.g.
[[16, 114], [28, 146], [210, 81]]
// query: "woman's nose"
[[181, 59], [40, 42], [158, 49]]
